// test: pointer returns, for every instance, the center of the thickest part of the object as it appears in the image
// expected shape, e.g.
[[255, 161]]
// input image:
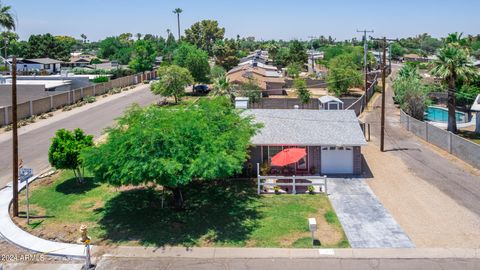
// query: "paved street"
[[34, 140], [280, 264], [365, 221]]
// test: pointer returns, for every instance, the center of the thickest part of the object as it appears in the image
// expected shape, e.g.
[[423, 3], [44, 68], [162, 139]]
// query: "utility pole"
[[15, 138], [365, 66], [384, 41], [311, 53]]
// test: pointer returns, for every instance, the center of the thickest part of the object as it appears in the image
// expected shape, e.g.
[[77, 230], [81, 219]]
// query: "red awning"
[[288, 156]]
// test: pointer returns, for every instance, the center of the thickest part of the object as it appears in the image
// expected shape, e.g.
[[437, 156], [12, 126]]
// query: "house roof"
[[326, 99], [307, 127], [44, 61], [242, 74], [476, 104]]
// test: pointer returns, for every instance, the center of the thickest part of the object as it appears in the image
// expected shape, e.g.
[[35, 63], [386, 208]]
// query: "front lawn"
[[219, 213]]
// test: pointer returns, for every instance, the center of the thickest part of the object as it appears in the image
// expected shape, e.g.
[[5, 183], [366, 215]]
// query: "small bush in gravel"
[[89, 99]]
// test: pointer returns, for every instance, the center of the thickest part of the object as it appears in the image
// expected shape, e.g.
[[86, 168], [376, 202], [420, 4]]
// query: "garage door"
[[337, 160]]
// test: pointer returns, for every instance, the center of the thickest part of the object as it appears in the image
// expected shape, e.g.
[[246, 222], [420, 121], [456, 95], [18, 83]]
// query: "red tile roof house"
[[332, 139]]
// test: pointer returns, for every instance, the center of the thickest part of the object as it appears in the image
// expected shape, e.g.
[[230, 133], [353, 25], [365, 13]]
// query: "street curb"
[[263, 253], [15, 234]]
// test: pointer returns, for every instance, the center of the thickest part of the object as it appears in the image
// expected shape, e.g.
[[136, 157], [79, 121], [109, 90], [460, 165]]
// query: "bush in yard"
[[64, 152], [300, 86], [100, 79], [311, 189], [173, 146]]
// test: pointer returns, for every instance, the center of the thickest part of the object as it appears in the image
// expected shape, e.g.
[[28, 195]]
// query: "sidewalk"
[[17, 236]]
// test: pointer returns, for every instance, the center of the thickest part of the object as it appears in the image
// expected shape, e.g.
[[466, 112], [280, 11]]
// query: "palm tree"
[[139, 36], [7, 19], [222, 87], [178, 11], [452, 63], [84, 37]]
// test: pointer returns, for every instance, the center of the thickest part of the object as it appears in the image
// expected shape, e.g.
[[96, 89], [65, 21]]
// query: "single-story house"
[[82, 60], [332, 139], [47, 65], [266, 79]]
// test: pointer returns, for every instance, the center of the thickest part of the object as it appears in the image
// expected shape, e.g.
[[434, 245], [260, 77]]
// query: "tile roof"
[[307, 127]]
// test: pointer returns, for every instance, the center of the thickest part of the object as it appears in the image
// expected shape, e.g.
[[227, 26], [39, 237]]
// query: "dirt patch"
[[428, 216]]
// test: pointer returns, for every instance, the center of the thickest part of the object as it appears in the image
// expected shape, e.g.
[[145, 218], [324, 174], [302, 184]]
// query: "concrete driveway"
[[365, 221]]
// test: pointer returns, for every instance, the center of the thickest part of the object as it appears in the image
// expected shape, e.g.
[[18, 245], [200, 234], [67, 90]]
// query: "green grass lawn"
[[219, 213]]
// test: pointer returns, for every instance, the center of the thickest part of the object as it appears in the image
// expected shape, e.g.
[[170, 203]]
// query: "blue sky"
[[264, 19]]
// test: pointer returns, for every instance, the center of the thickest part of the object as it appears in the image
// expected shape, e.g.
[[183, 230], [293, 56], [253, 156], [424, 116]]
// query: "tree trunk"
[[79, 176], [177, 198], [452, 121]]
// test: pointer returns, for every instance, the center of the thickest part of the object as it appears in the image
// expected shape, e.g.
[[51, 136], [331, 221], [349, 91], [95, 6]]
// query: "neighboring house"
[[46, 65], [476, 108], [412, 57], [258, 64], [477, 63], [258, 56], [105, 66], [265, 78], [80, 60], [332, 139], [330, 103]]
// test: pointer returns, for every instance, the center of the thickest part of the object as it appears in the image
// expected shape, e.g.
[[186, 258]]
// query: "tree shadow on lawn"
[[72, 186], [217, 212]]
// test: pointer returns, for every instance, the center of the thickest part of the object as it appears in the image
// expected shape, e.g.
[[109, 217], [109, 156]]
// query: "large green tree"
[[193, 59], [204, 34], [297, 53], [410, 93], [173, 147], [453, 63], [343, 74], [172, 82], [144, 55], [226, 53], [42, 46], [115, 48], [64, 152]]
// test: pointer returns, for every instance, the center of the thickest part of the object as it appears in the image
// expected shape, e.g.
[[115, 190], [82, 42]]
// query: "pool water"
[[438, 114]]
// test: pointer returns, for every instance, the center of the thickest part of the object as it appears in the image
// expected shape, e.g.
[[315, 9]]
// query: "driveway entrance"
[[365, 221]]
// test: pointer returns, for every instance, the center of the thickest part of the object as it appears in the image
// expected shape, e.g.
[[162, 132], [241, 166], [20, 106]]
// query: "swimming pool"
[[438, 114]]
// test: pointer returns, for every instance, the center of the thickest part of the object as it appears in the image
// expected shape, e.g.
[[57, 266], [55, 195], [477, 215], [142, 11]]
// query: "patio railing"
[[297, 183]]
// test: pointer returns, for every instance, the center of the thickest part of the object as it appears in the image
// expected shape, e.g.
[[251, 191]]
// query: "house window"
[[47, 66], [302, 163], [272, 151]]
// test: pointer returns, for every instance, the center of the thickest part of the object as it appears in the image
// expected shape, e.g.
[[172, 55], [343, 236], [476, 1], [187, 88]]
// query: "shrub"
[[100, 79], [311, 189], [276, 189], [89, 99]]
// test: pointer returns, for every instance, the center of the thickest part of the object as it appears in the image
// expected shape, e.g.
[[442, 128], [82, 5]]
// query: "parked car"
[[201, 88]]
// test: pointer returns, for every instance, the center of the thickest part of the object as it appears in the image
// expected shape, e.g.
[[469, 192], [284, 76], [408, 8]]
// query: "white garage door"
[[337, 160]]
